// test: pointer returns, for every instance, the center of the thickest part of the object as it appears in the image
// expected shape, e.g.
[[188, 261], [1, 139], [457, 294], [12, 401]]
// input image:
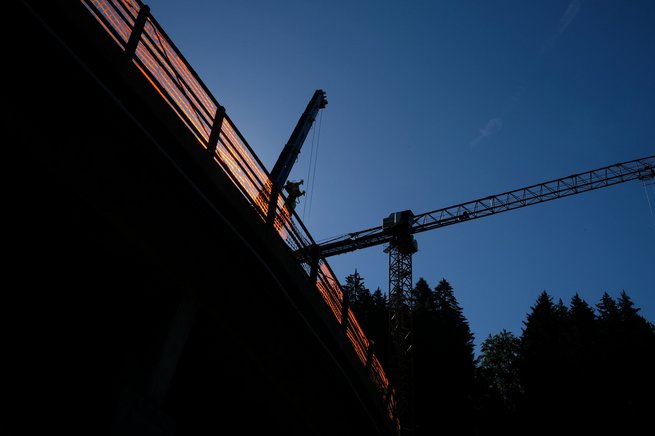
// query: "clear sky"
[[433, 103]]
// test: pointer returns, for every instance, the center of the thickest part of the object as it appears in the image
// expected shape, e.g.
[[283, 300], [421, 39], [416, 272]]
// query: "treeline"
[[574, 369]]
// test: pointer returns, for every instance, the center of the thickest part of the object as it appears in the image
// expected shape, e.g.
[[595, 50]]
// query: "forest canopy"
[[574, 368]]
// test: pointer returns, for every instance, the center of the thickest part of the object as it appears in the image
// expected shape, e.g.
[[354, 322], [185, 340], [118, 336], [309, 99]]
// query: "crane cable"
[[309, 170], [316, 139], [650, 206]]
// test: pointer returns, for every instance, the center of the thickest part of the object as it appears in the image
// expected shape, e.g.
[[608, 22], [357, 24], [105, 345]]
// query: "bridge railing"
[[130, 24]]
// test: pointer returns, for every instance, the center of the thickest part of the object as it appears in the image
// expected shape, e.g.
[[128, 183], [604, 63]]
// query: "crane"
[[289, 154], [398, 228]]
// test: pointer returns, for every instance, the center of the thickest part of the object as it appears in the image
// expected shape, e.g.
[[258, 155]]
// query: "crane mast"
[[397, 231], [402, 246]]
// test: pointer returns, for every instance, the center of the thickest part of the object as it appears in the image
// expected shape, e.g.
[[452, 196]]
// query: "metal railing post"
[[137, 30], [313, 263], [369, 355], [212, 142], [344, 312], [272, 205]]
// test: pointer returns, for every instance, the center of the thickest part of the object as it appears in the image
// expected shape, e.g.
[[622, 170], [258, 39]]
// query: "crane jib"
[[638, 169]]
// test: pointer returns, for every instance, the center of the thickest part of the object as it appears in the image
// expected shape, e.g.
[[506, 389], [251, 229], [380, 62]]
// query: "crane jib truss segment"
[[574, 184], [638, 169]]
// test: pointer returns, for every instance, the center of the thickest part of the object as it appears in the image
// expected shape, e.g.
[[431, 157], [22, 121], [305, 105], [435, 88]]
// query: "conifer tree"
[[581, 376], [582, 333], [633, 352], [444, 365], [355, 288], [359, 298], [542, 366], [379, 301], [423, 296], [608, 311], [562, 311], [377, 327], [582, 316]]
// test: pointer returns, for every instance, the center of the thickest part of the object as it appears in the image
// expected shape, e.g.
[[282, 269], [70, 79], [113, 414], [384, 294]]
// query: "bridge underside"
[[143, 295]]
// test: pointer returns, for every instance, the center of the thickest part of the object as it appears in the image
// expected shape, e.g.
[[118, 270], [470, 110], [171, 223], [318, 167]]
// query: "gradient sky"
[[433, 103]]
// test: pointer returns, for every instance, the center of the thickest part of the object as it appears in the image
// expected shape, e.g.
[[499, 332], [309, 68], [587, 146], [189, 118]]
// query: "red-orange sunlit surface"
[[120, 22], [162, 63], [329, 289], [173, 78], [357, 337]]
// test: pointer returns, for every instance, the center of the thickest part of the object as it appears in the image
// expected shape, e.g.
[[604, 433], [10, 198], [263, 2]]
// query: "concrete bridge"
[[144, 291]]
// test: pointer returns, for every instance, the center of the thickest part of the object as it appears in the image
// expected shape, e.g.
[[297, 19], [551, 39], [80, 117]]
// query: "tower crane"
[[398, 228]]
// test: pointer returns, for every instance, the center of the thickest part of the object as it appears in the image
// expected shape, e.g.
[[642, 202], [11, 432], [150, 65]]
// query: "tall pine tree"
[[542, 366], [355, 288], [377, 325], [444, 365], [423, 296], [371, 312], [629, 355]]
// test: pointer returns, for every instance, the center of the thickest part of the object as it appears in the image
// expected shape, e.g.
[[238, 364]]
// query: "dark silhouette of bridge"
[[145, 292]]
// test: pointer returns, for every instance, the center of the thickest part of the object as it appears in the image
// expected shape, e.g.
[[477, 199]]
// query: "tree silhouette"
[[608, 311], [542, 365], [628, 354], [582, 334], [582, 318], [377, 325], [498, 390], [498, 364], [444, 365], [572, 370], [587, 374], [423, 296], [379, 301], [355, 288], [371, 312]]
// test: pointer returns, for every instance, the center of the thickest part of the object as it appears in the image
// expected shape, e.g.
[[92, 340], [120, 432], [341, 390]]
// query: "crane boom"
[[284, 164], [638, 169], [285, 161]]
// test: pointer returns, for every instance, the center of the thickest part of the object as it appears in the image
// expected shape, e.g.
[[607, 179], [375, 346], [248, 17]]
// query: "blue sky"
[[436, 103]]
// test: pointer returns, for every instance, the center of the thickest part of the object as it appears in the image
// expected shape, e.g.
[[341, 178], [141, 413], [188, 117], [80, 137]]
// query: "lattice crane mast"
[[397, 231]]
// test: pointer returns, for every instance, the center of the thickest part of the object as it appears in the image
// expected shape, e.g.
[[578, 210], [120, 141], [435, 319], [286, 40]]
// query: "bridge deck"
[[148, 294]]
